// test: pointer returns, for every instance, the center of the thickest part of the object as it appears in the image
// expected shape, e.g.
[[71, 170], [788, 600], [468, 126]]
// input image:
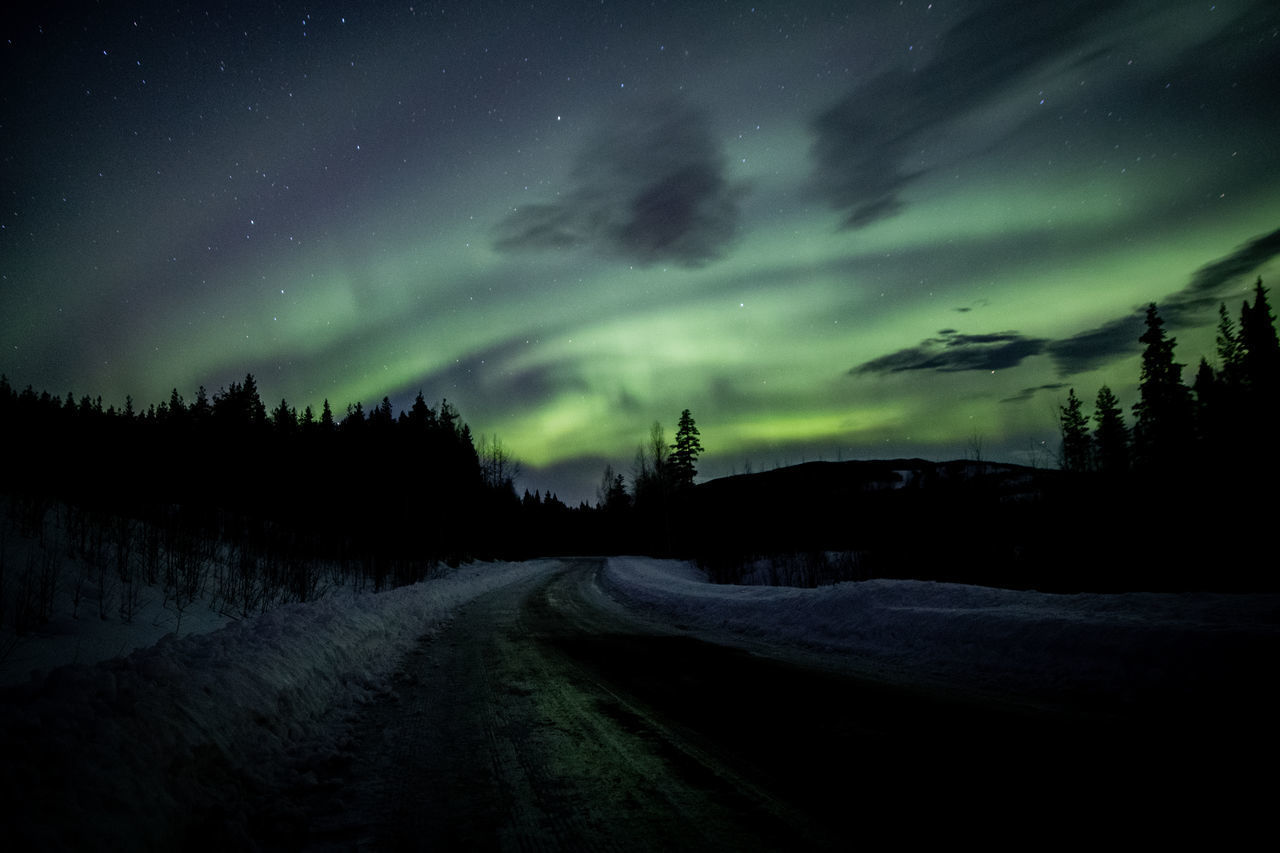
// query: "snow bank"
[[991, 640], [90, 639], [132, 746]]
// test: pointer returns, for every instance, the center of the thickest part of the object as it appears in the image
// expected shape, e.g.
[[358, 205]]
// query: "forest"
[[264, 506]]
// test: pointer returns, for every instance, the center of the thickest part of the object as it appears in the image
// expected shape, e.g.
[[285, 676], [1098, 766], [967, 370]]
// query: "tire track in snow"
[[497, 739]]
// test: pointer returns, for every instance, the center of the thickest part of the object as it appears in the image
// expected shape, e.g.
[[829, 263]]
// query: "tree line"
[[1179, 428], [395, 493], [372, 493], [1175, 493]]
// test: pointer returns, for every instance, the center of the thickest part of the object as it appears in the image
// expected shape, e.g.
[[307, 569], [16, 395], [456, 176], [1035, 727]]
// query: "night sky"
[[831, 230]]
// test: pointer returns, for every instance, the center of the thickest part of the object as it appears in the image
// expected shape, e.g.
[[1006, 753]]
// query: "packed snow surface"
[[992, 641], [136, 736]]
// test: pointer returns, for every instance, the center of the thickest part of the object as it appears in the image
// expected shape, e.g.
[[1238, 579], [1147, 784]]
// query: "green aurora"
[[901, 230]]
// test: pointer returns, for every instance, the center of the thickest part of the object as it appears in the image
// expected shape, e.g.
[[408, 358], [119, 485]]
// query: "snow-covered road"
[[628, 704], [539, 740], [607, 706]]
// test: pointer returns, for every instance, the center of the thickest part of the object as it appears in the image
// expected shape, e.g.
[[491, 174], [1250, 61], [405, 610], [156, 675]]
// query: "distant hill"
[[965, 521], [823, 481]]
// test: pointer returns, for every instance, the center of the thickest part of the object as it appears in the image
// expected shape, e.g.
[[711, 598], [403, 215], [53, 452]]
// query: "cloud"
[[1092, 348], [650, 187], [952, 352], [1211, 283], [1027, 393], [1208, 287], [1095, 347], [865, 143]]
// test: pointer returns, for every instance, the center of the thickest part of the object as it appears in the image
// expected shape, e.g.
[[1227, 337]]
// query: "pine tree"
[[201, 409], [355, 420], [381, 417], [254, 408], [1260, 346], [177, 409], [1230, 355], [685, 452], [1208, 388], [421, 417], [284, 418], [1111, 438], [1077, 444], [1163, 414]]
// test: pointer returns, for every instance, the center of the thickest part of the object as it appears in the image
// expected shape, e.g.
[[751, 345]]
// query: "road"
[[546, 718]]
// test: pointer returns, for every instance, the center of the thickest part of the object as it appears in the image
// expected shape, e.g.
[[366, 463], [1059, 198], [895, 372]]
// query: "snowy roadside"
[[130, 745], [1110, 647], [91, 639]]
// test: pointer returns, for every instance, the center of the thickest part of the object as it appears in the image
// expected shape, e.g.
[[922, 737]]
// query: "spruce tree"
[[284, 418], [1209, 393], [1230, 355], [1260, 346], [1077, 444], [1163, 414], [254, 409], [1111, 437], [685, 452]]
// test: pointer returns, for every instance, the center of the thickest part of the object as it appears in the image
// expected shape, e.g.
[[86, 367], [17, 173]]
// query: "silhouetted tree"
[[1077, 444], [1111, 437], [497, 466], [285, 418], [255, 409], [1163, 414], [611, 495], [421, 417], [239, 408], [201, 410], [650, 478], [1260, 346], [1212, 403], [177, 409], [1230, 354], [354, 422], [381, 417], [685, 452]]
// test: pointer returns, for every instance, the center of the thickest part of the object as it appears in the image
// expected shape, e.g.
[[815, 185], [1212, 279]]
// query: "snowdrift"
[[1029, 645], [171, 743]]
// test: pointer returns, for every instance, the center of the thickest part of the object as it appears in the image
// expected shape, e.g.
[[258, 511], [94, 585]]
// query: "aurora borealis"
[[831, 230]]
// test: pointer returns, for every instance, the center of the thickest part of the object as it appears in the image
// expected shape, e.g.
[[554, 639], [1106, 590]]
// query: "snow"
[[1033, 646], [241, 699], [90, 639], [222, 712]]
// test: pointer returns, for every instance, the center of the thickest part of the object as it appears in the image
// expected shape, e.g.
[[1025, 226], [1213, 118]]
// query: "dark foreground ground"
[[542, 720]]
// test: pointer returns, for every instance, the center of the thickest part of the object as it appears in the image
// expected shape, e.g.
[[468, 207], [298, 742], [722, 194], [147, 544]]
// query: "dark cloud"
[[651, 187], [1213, 282], [1208, 287], [1093, 348], [864, 143], [1027, 393], [492, 378], [951, 352]]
